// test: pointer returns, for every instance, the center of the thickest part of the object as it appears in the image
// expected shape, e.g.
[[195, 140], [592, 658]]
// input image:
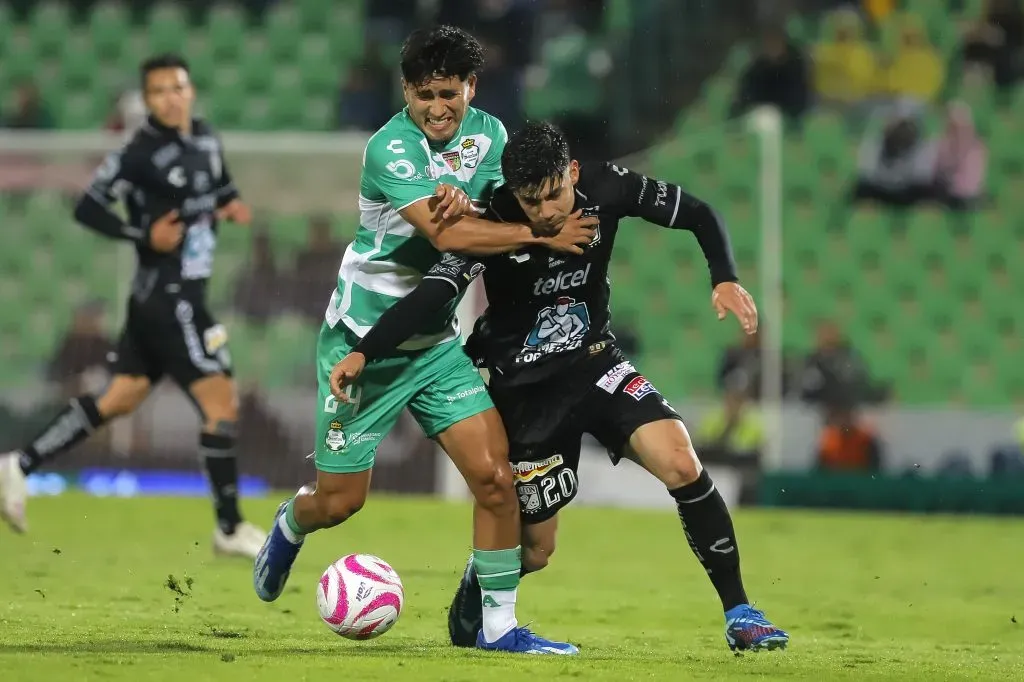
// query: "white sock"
[[289, 535], [500, 616]]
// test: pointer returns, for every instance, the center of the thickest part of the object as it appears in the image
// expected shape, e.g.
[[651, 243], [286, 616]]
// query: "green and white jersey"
[[388, 258]]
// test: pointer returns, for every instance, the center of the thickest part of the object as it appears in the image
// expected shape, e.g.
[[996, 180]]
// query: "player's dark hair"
[[536, 153], [161, 61], [441, 51]]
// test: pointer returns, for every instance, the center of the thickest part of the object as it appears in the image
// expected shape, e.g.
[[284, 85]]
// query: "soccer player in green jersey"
[[437, 138]]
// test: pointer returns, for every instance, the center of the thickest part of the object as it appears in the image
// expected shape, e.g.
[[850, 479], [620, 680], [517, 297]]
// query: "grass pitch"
[[128, 590]]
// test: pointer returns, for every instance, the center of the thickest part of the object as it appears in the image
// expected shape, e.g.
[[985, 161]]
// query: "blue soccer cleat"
[[747, 629], [274, 561], [522, 641], [466, 614]]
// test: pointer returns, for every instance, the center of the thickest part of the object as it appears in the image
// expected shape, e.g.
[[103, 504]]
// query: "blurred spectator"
[[30, 112], [568, 84], [365, 97], [835, 377], [732, 431], [257, 290], [896, 164], [740, 369], [847, 443], [844, 63], [995, 43], [500, 91], [915, 69], [878, 11], [777, 76], [79, 364], [316, 269], [961, 161]]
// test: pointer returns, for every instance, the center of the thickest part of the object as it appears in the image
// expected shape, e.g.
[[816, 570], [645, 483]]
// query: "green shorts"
[[440, 386]]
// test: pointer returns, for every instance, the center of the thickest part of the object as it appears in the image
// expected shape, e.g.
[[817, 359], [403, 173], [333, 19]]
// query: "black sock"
[[222, 470], [71, 426], [708, 528]]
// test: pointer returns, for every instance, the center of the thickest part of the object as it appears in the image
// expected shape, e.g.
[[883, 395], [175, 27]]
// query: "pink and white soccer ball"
[[360, 596]]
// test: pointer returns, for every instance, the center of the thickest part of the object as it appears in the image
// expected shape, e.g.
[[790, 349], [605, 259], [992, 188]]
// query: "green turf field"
[[868, 597]]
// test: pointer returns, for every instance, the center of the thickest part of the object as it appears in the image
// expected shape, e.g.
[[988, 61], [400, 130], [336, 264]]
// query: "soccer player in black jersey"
[[175, 185], [555, 370]]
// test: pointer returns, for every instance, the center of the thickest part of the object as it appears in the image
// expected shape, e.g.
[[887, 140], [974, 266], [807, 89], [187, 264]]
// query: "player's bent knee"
[[493, 489], [682, 466]]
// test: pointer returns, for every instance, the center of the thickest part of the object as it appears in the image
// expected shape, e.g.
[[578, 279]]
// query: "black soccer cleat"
[[466, 614]]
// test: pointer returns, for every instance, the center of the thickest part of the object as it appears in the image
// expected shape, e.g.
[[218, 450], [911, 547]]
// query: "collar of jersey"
[[167, 131]]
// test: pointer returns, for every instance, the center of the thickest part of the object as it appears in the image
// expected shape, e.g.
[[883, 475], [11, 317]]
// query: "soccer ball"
[[360, 596]]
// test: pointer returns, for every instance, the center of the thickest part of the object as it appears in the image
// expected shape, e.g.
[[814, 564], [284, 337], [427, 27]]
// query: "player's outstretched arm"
[[667, 205]]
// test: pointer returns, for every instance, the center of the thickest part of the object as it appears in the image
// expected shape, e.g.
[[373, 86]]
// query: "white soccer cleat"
[[246, 541], [13, 492]]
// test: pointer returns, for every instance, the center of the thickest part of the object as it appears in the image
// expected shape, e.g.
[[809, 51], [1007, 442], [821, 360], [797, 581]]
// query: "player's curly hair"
[[441, 51], [536, 153]]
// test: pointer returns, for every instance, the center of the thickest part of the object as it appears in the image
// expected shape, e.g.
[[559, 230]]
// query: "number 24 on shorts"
[[354, 395]]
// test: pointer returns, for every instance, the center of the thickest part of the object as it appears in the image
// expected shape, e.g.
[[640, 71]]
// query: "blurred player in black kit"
[[555, 371], [174, 183]]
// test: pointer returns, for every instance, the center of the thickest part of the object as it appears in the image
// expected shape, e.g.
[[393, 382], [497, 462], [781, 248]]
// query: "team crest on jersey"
[[529, 497], [335, 439], [559, 328], [453, 160], [470, 153]]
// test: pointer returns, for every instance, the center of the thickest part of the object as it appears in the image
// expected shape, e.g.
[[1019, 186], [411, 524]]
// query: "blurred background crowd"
[[902, 191]]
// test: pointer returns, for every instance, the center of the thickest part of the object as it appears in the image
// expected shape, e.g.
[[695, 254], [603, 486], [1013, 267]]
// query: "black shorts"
[[603, 395], [171, 335]]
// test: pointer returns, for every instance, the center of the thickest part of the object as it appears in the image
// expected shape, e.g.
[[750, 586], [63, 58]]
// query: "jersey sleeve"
[[397, 167], [630, 194], [119, 173], [457, 270], [442, 283]]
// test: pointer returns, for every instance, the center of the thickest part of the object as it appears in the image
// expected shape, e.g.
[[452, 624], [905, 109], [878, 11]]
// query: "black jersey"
[[547, 309], [157, 171]]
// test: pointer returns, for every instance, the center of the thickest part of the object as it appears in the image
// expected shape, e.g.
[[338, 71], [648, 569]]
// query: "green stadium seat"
[[227, 98], [109, 23], [288, 103], [320, 75], [227, 31], [283, 28], [49, 27], [314, 14], [167, 28], [257, 66], [345, 30]]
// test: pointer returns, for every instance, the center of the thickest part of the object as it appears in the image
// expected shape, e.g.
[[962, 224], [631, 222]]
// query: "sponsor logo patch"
[[613, 378], [639, 387]]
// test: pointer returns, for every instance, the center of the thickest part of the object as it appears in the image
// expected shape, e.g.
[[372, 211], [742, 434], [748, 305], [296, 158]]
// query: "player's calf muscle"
[[333, 500]]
